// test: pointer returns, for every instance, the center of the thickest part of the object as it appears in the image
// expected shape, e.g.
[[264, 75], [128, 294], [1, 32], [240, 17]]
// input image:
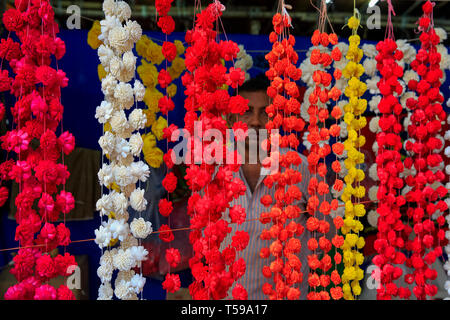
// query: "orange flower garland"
[[283, 112], [318, 188]]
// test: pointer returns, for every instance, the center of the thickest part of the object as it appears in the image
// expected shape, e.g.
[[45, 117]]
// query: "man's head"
[[255, 90]]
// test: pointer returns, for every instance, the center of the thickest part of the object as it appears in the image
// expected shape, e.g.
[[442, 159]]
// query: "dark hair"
[[258, 83]]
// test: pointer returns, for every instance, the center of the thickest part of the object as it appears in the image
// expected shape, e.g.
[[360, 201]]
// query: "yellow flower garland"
[[353, 191]]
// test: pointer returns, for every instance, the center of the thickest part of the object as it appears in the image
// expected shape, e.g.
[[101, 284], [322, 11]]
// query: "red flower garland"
[[165, 104], [37, 114], [283, 112], [391, 230], [213, 186], [427, 114]]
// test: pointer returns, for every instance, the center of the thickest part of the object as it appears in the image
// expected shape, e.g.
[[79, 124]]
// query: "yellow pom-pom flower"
[[94, 32], [101, 72], [151, 99], [172, 90], [177, 68], [180, 47], [353, 23], [148, 74], [158, 126], [151, 117]]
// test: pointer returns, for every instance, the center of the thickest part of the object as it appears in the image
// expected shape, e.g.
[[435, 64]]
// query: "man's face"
[[256, 116]]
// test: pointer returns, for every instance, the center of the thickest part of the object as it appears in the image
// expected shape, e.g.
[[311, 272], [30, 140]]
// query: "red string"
[[389, 27]]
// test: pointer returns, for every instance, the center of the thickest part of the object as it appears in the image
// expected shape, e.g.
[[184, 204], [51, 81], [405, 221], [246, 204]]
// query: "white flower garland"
[[121, 144]]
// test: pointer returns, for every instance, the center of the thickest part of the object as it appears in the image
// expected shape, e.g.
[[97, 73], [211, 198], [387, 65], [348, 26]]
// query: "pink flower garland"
[[37, 113], [213, 186], [427, 114]]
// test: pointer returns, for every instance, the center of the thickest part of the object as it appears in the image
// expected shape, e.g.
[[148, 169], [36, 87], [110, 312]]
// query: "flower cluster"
[[152, 56], [284, 266], [121, 144], [391, 230], [424, 149], [323, 91], [353, 191], [214, 187], [36, 115]]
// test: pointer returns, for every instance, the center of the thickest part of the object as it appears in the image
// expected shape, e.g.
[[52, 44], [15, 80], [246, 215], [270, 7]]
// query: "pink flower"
[[67, 142], [16, 292], [45, 267], [24, 263], [46, 204], [65, 201], [63, 235], [3, 195], [45, 292], [15, 140], [48, 231], [38, 106]]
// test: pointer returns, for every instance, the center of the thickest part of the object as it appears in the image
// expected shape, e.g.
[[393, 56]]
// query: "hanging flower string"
[[37, 114], [391, 229], [285, 265], [318, 188], [165, 105], [121, 144], [353, 191], [425, 125], [213, 186]]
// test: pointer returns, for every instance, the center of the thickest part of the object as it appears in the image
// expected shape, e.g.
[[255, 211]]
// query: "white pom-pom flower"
[[104, 112], [105, 291], [124, 260], [139, 90], [123, 11], [372, 218], [140, 228], [373, 193], [374, 126], [137, 119], [119, 229], [137, 200]]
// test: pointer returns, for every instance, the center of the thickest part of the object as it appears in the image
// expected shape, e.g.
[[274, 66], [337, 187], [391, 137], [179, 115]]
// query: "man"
[[252, 175]]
